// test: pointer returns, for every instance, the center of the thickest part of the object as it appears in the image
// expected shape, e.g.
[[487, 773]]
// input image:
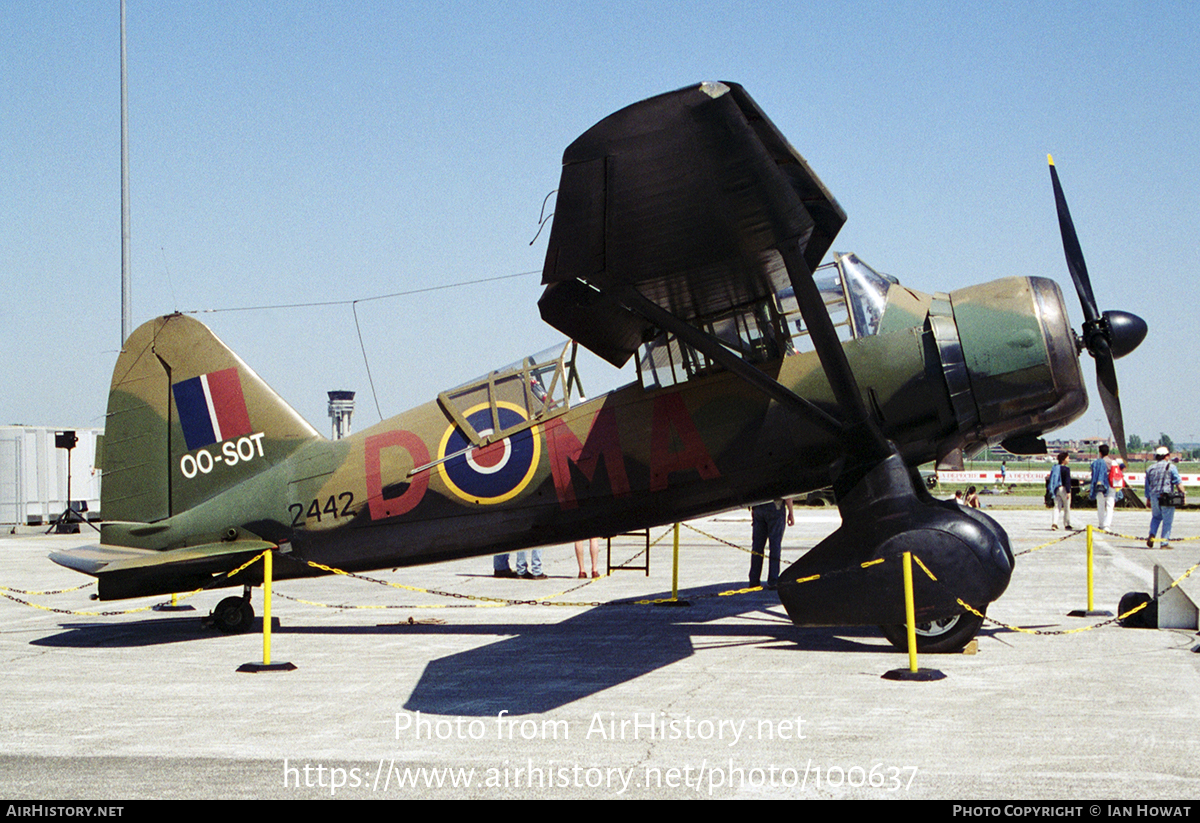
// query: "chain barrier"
[[1143, 539], [1049, 633], [750, 552], [481, 601], [53, 610], [729, 592], [1049, 543], [752, 589], [960, 601], [484, 601], [1110, 621], [113, 613], [351, 606], [49, 591]]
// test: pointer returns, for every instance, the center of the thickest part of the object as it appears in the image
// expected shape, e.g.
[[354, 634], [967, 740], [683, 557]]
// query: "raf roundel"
[[498, 471]]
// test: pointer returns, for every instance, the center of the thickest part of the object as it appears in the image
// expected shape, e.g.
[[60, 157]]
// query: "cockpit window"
[[751, 333], [854, 294], [868, 290], [539, 386]]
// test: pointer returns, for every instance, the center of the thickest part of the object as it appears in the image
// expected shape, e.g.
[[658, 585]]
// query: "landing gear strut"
[[234, 615], [886, 514]]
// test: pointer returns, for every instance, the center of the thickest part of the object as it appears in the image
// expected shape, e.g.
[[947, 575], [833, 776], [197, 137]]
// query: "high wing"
[[679, 210], [687, 198]]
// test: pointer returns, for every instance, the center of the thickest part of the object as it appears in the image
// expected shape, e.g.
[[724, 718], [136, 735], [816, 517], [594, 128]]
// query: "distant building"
[[1080, 446]]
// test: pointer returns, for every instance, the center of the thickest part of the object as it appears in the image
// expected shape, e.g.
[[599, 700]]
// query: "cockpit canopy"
[[535, 387], [547, 383], [854, 294]]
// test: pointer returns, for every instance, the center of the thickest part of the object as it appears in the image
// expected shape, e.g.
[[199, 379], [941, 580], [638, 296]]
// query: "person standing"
[[1060, 490], [534, 570], [594, 546], [500, 566], [1101, 489], [1116, 482], [768, 522], [530, 571], [1162, 483]]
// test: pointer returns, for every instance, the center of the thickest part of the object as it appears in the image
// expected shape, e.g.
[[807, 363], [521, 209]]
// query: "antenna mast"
[[126, 299]]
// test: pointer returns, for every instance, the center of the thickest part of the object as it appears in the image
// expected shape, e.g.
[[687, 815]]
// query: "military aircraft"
[[688, 232]]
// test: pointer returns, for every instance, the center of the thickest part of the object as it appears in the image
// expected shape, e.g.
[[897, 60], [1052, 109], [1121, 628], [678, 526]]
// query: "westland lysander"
[[689, 235]]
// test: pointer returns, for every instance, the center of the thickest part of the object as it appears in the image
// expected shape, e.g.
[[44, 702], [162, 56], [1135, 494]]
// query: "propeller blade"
[[1108, 336], [1075, 264], [1106, 383]]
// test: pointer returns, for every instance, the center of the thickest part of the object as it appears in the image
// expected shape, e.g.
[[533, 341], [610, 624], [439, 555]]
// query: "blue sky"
[[312, 151]]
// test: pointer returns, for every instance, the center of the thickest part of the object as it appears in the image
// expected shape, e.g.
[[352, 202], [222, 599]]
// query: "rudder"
[[187, 419]]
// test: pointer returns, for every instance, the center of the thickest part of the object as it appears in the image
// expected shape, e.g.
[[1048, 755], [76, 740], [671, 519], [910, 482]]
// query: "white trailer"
[[33, 474]]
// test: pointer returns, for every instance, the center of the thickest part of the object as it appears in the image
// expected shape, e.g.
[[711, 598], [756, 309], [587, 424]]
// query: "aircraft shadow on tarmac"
[[155, 631], [543, 667], [536, 667]]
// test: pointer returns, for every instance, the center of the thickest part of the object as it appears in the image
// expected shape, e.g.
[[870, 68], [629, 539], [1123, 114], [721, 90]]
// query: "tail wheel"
[[944, 636], [233, 615]]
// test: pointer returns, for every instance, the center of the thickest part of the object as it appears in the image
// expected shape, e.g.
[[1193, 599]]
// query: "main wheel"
[[944, 636], [233, 615]]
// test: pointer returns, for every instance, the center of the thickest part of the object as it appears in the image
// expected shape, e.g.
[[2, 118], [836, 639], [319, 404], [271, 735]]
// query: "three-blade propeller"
[[1106, 336]]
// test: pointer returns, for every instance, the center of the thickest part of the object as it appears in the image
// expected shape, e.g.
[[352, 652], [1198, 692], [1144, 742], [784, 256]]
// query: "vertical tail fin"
[[187, 419]]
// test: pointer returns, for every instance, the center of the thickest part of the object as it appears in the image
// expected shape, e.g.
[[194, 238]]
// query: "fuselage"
[[939, 372]]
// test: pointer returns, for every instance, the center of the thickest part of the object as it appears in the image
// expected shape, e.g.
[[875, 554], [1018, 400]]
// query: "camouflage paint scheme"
[[629, 459]]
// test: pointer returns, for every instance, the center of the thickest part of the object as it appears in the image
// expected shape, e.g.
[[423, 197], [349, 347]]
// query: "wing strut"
[[861, 433], [705, 343]]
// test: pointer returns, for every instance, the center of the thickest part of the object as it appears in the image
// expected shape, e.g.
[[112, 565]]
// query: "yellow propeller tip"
[[1050, 157]]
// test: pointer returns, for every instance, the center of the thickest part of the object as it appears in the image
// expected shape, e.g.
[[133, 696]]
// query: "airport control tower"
[[341, 407]]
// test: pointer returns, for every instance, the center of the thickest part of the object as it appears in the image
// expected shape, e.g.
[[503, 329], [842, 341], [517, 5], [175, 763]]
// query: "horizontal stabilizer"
[[125, 572], [93, 558]]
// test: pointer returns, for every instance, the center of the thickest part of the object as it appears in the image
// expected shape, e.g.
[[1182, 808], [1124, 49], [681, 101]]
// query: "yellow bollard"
[[1090, 578], [910, 613], [267, 571], [910, 619], [674, 601], [174, 606], [1091, 610], [266, 665]]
